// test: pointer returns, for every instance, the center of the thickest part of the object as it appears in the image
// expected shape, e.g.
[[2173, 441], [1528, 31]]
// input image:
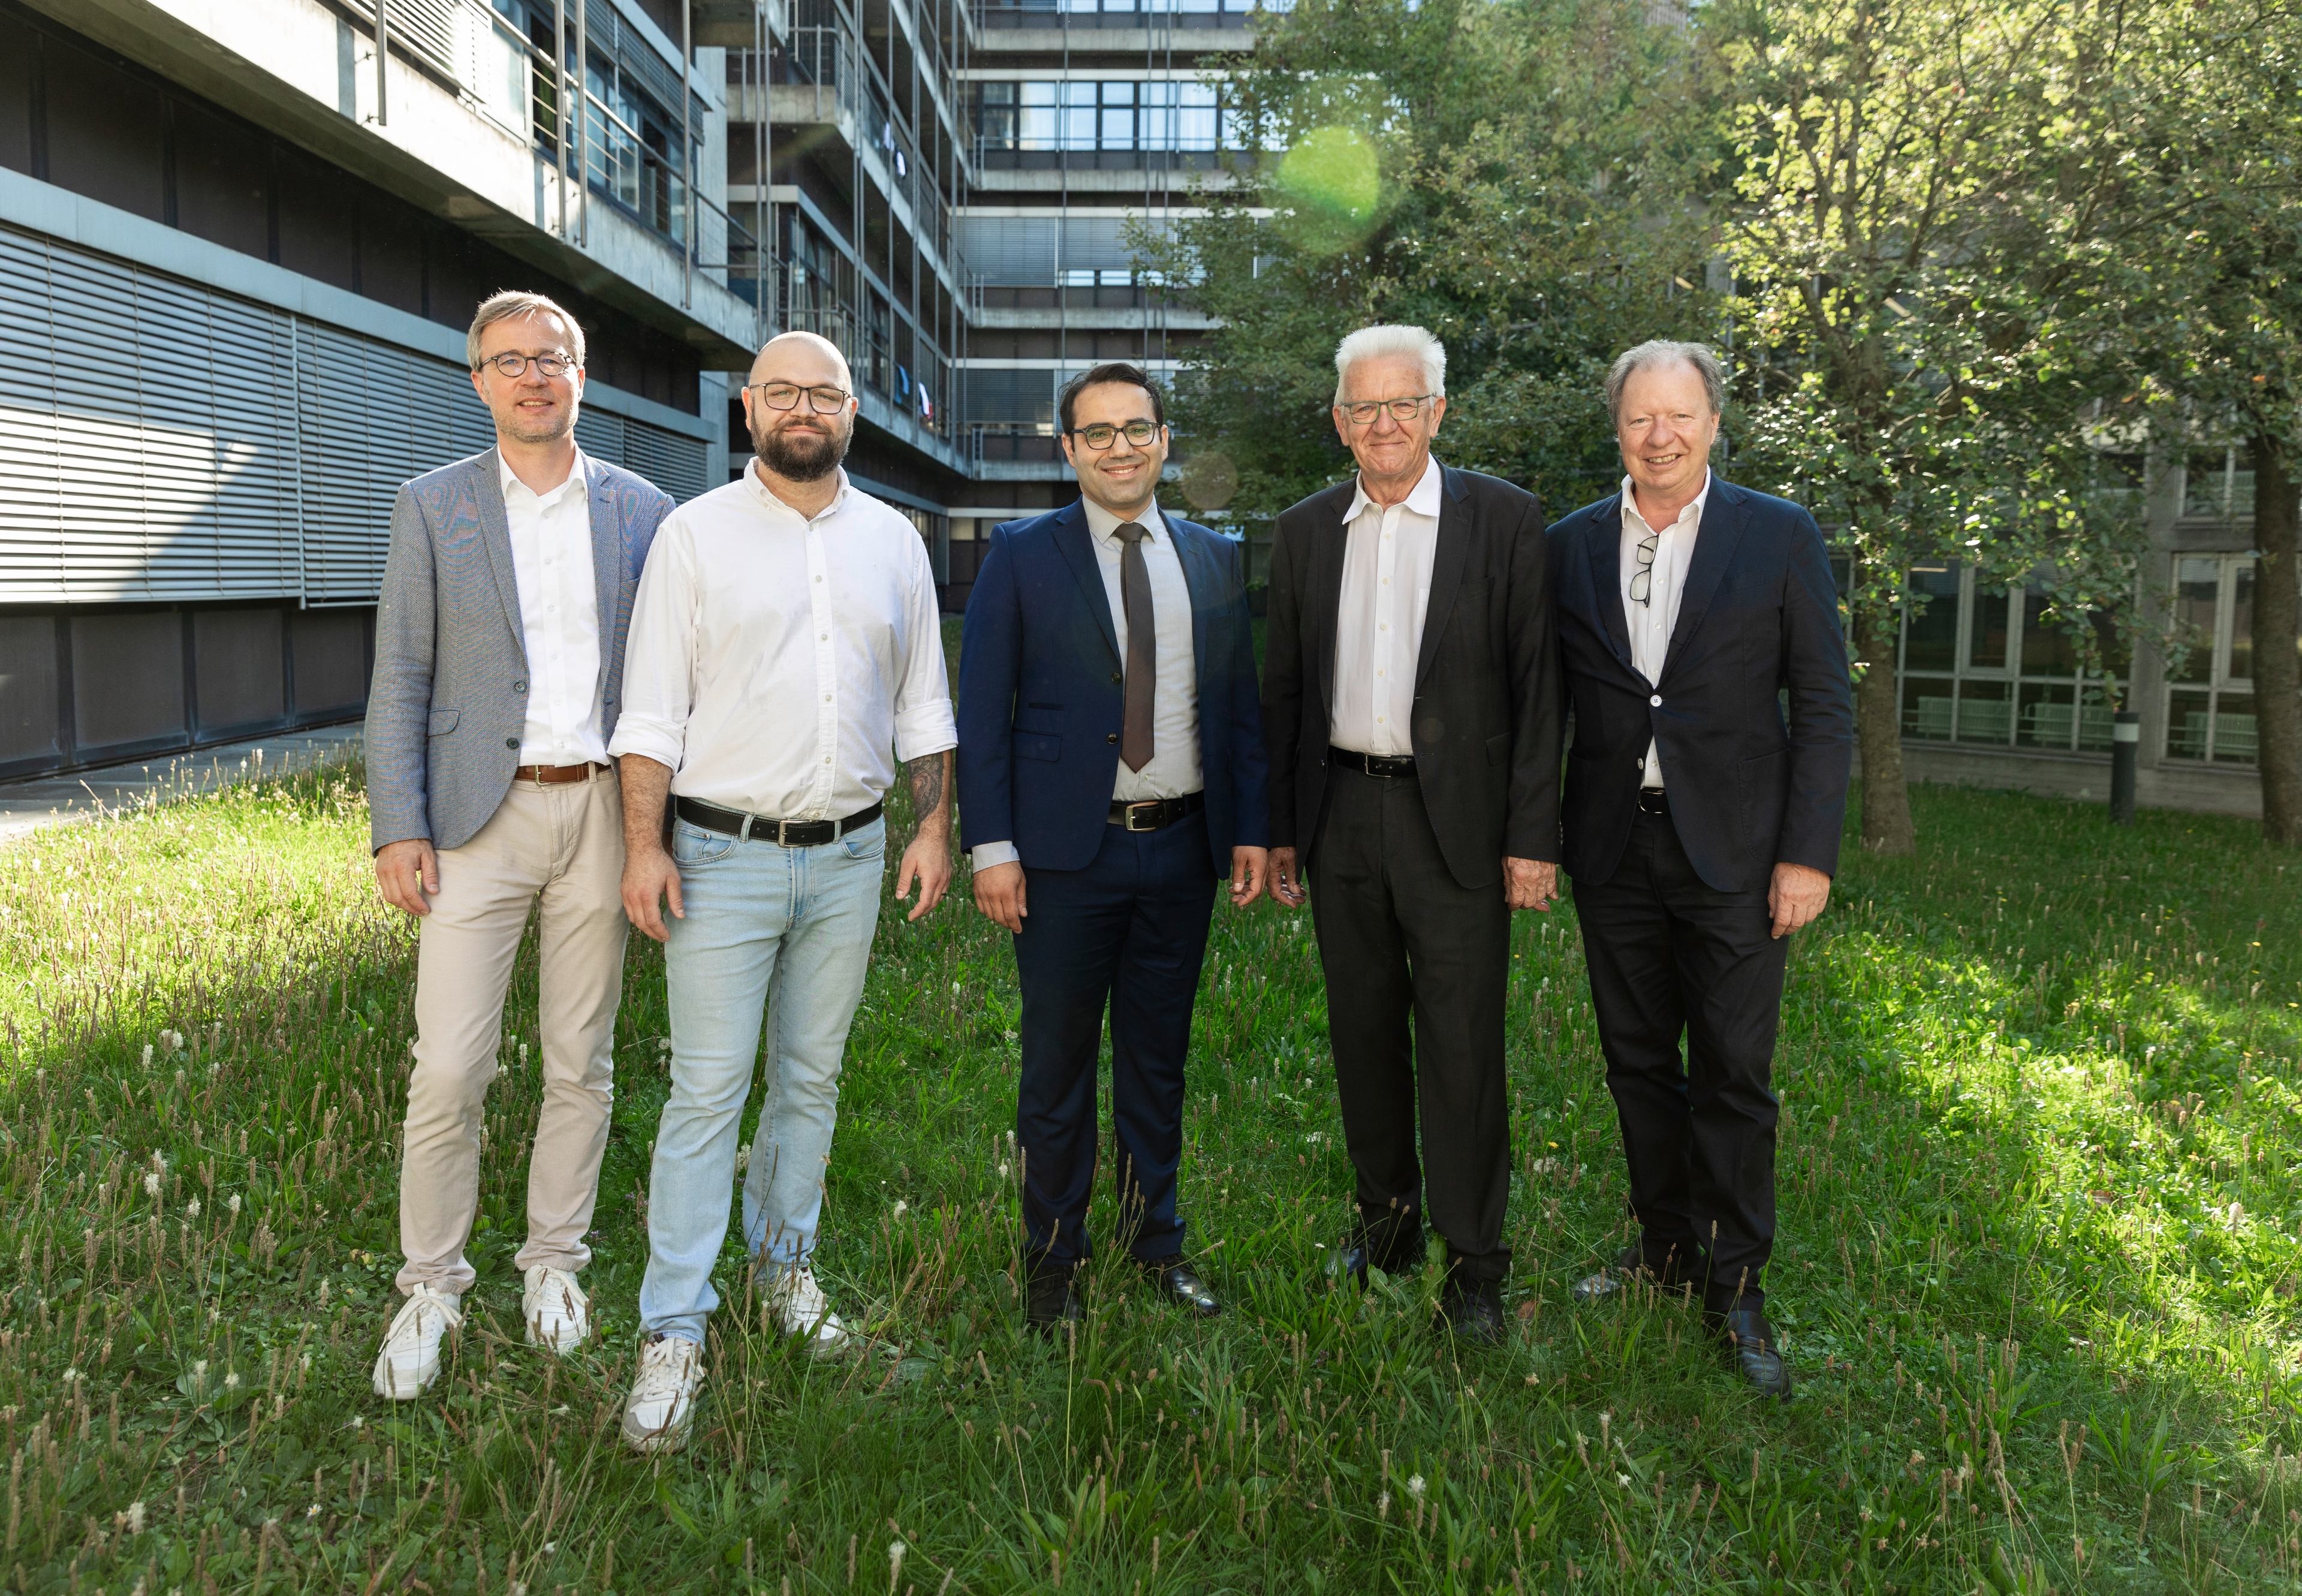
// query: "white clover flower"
[[1414, 1487]]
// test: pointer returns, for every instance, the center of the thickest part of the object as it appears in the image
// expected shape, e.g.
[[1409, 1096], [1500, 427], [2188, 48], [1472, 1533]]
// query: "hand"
[[1530, 883], [650, 875], [1286, 879], [1797, 896], [1247, 868], [999, 893], [927, 859], [405, 871]]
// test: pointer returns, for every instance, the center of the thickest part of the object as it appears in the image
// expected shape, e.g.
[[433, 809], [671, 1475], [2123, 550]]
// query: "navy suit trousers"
[[1128, 933]]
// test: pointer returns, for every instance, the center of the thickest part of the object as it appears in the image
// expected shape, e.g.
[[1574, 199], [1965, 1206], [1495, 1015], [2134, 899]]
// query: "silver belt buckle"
[[1129, 822]]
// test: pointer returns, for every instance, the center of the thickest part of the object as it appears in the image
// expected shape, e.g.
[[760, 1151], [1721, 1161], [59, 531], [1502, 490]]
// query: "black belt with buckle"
[[785, 834], [1152, 813], [1653, 800], [1372, 764]]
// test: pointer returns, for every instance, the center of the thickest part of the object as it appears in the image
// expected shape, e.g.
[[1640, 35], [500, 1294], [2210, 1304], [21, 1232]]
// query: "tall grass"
[[2038, 1267]]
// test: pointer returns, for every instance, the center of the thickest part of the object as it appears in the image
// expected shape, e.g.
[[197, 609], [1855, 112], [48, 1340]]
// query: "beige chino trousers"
[[565, 845]]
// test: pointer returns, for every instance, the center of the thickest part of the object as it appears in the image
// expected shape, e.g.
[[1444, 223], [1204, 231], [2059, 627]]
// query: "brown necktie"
[[1142, 646]]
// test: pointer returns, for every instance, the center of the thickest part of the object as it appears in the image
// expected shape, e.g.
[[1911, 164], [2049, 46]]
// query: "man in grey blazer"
[[498, 663]]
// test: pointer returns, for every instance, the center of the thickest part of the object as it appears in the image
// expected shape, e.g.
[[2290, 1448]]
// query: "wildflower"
[[358, 1422], [136, 1519], [743, 1154], [663, 1044], [200, 1370], [233, 1204], [147, 1055], [1622, 1479], [1004, 1171], [71, 1375], [902, 1208], [1414, 1487], [896, 1549], [232, 1380], [151, 1183], [522, 1046], [1382, 1505], [192, 1209], [313, 1511]]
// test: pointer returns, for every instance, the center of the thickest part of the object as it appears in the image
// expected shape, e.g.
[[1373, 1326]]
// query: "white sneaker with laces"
[[663, 1396], [410, 1361], [801, 1308], [558, 1315]]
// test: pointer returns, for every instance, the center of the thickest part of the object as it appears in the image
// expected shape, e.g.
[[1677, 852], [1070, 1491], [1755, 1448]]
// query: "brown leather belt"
[[555, 776], [1149, 814]]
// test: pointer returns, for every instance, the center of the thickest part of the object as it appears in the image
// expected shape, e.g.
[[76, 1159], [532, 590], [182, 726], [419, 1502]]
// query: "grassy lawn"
[[2037, 1269]]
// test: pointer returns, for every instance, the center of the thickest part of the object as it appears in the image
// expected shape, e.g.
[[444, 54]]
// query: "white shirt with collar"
[[1173, 768], [781, 665], [558, 616], [1387, 557], [1652, 623]]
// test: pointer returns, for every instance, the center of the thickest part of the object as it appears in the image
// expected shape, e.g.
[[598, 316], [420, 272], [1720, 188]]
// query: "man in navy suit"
[[1111, 767], [1701, 826]]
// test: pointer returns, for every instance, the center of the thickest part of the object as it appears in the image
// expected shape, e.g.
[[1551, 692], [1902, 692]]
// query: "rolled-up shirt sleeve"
[[924, 723], [659, 659]]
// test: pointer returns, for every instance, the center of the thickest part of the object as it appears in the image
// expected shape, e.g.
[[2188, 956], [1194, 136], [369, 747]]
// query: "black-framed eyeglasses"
[[1103, 434], [556, 363], [785, 396], [1642, 579], [1363, 412]]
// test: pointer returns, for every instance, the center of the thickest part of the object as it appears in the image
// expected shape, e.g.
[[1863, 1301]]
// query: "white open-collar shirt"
[[1387, 555], [558, 616], [1651, 623], [780, 664]]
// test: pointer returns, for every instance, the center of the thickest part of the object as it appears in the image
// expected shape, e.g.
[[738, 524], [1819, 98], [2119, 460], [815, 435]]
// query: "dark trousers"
[[1129, 933], [1668, 955], [1398, 938]]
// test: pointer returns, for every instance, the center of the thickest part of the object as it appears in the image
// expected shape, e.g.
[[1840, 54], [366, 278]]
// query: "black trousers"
[[1669, 955], [1398, 937], [1128, 933]]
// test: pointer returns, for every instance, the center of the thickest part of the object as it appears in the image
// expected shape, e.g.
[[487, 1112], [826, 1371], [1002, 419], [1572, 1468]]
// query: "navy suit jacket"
[[1040, 703], [1757, 631]]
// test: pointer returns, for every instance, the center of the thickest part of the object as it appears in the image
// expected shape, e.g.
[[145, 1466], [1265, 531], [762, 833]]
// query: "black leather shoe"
[[1630, 1264], [1474, 1311], [1177, 1281], [1049, 1302], [1751, 1347]]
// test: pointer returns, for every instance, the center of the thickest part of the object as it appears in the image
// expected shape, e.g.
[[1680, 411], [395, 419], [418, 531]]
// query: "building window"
[[2218, 485], [2210, 693], [1099, 116], [1994, 667]]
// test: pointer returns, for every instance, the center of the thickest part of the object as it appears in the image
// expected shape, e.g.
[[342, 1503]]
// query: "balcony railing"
[[1118, 13], [825, 58]]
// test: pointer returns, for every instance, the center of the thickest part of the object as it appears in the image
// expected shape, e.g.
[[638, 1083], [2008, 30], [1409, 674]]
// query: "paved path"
[[52, 800]]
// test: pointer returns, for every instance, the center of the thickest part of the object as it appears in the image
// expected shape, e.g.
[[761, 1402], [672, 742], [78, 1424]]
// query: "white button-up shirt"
[[1652, 623], [781, 666], [1174, 767], [1386, 556], [558, 617]]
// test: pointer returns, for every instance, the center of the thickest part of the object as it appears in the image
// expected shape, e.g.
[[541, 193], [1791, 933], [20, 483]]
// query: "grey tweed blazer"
[[449, 698]]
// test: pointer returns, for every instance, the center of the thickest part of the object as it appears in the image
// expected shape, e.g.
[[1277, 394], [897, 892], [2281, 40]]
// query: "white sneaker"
[[410, 1361], [663, 1396], [558, 1315], [801, 1308]]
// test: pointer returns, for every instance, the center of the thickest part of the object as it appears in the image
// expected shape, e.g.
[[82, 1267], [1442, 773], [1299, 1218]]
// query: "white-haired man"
[[1411, 706], [499, 662], [787, 653]]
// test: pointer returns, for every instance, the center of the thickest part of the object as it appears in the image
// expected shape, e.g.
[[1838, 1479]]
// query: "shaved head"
[[807, 359]]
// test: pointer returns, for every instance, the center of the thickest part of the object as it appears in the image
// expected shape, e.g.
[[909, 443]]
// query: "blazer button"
[[1116, 678], [512, 743], [519, 686], [1111, 736]]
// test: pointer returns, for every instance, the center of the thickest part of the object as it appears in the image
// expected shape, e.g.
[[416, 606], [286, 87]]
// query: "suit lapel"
[[1605, 550], [1716, 540], [606, 561], [495, 537], [1449, 549], [1329, 534], [1078, 549]]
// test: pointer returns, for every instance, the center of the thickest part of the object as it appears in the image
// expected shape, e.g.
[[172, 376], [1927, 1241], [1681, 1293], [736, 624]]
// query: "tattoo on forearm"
[[927, 789]]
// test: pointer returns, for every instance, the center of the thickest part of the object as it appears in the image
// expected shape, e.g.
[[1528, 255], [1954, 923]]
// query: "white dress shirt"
[[1652, 623], [779, 664], [1173, 768], [558, 617], [1379, 621]]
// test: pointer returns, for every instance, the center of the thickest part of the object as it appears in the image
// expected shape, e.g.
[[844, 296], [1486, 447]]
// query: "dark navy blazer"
[[1758, 626], [1041, 703]]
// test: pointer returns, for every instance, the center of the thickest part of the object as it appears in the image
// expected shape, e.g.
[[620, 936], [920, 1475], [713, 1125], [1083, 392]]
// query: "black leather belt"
[[1653, 800], [787, 833], [1372, 764], [1152, 813]]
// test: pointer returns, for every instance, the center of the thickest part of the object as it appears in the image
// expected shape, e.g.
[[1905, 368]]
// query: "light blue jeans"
[[797, 921]]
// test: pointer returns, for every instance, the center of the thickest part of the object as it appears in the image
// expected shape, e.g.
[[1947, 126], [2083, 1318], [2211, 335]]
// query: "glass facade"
[[1093, 116], [2210, 690], [1994, 667]]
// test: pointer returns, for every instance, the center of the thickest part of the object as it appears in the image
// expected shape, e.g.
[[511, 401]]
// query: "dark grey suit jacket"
[[1486, 724], [449, 697]]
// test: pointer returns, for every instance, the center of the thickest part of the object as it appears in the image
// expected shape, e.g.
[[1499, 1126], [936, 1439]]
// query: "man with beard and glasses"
[[786, 653], [498, 657]]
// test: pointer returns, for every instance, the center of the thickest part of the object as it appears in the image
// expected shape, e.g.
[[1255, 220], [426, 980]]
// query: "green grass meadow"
[[2038, 1268]]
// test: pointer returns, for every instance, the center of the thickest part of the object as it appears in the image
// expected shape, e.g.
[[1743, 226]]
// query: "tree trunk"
[[2277, 665], [1887, 826]]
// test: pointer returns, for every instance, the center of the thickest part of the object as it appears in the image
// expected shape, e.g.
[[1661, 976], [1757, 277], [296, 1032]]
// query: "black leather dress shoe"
[[1630, 1264], [1050, 1301], [1177, 1281], [1751, 1347], [1473, 1310]]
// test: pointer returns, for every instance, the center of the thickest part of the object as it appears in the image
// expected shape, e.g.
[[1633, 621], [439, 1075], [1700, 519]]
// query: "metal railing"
[[826, 59]]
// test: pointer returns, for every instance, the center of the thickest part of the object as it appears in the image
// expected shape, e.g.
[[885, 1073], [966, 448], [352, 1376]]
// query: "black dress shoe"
[[1049, 1302], [1177, 1281], [1631, 1265], [1751, 1347], [1474, 1311]]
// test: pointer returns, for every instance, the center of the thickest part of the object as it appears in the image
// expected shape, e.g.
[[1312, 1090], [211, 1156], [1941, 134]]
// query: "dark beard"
[[798, 457]]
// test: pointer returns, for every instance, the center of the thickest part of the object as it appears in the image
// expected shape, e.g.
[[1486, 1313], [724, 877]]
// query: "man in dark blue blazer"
[[1111, 766], [1701, 826]]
